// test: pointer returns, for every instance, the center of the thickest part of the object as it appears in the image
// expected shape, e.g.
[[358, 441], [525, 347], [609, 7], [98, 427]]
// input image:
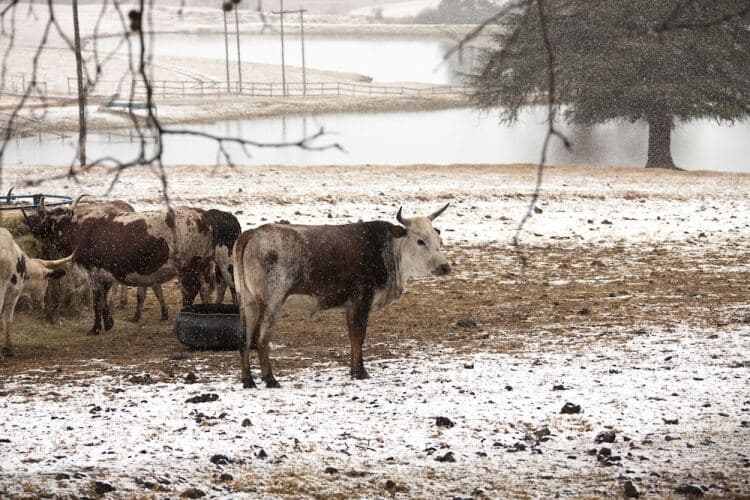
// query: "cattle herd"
[[355, 267]]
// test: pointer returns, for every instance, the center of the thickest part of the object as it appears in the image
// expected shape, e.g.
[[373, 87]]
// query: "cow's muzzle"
[[442, 270]]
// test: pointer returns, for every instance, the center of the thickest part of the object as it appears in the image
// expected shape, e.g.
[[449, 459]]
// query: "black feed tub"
[[209, 326]]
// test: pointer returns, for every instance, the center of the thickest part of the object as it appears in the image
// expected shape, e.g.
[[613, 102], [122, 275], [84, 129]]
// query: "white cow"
[[18, 272]]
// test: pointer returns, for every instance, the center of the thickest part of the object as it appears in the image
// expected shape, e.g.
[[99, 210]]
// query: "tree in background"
[[656, 61]]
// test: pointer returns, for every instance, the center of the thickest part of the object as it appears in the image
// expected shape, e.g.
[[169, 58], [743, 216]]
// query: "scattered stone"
[[142, 379], [585, 311], [630, 490], [559, 387], [444, 422], [606, 437], [607, 222], [689, 489], [467, 322], [331, 470], [190, 378], [670, 421], [221, 460], [226, 477], [570, 409], [4, 440], [61, 476], [469, 366], [247, 423], [508, 388], [261, 454], [537, 210], [542, 435], [193, 493], [102, 488], [448, 457], [203, 398], [283, 221], [179, 356]]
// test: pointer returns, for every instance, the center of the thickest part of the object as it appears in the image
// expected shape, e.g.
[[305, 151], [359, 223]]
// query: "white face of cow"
[[420, 247]]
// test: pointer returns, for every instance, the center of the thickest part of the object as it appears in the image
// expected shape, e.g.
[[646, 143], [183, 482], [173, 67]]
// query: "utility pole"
[[81, 89], [239, 60], [226, 49], [301, 13], [283, 63], [302, 36]]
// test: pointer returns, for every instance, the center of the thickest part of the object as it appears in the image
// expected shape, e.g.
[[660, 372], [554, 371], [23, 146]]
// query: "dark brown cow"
[[137, 249], [227, 231], [358, 267]]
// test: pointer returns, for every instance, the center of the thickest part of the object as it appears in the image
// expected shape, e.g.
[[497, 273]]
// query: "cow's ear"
[[55, 274], [398, 231], [436, 230]]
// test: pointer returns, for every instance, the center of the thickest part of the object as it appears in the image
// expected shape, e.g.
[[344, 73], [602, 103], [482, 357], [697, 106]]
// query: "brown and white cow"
[[137, 249], [358, 267], [18, 272]]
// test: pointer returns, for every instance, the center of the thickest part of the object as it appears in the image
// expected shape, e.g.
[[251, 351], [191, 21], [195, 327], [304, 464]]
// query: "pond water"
[[439, 137], [383, 58]]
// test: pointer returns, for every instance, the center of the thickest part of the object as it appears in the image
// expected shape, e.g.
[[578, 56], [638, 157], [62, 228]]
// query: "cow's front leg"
[[109, 321], [356, 321], [163, 303], [98, 300], [7, 349]]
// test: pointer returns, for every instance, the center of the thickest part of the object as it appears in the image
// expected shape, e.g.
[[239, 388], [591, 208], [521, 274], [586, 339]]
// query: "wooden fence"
[[192, 88]]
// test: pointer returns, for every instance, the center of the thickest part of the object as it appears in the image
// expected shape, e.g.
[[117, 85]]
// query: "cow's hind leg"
[[140, 298], [109, 321], [266, 320], [7, 349], [123, 295], [8, 308], [356, 321], [251, 324], [162, 303], [98, 299]]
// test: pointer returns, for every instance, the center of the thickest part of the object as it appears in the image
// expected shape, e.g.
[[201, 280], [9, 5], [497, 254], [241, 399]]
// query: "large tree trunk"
[[659, 142]]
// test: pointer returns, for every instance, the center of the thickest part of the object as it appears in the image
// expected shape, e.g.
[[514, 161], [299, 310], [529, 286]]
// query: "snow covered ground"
[[648, 332], [675, 404]]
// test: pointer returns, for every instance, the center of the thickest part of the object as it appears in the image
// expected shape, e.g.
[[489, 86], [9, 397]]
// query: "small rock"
[[193, 493], [585, 311], [570, 409], [331, 470], [444, 422], [469, 366], [283, 221], [190, 378], [670, 421], [61, 475], [142, 379], [630, 490], [467, 322], [261, 454], [226, 477], [689, 489], [247, 423], [559, 387], [203, 398], [537, 210], [607, 222], [102, 488], [221, 460], [179, 356], [448, 457], [606, 437], [508, 388]]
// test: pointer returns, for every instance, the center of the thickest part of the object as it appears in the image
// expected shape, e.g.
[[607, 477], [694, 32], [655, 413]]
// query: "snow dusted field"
[[633, 308]]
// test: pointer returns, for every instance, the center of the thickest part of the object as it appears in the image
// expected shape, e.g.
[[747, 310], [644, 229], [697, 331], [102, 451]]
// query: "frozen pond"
[[439, 137], [384, 59]]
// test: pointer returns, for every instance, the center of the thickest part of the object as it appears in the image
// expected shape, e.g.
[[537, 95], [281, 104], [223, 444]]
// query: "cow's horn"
[[52, 264], [435, 215], [75, 203], [400, 218], [10, 192]]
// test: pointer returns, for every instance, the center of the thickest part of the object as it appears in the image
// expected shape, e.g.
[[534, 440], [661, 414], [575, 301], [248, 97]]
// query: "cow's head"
[[36, 276], [44, 222], [420, 246]]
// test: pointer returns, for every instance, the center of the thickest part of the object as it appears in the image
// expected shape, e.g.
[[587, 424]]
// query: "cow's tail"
[[238, 273]]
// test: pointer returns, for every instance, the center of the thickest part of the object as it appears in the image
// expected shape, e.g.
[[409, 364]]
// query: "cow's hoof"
[[248, 383], [360, 374], [165, 317], [6, 352], [108, 324], [93, 332], [271, 382]]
